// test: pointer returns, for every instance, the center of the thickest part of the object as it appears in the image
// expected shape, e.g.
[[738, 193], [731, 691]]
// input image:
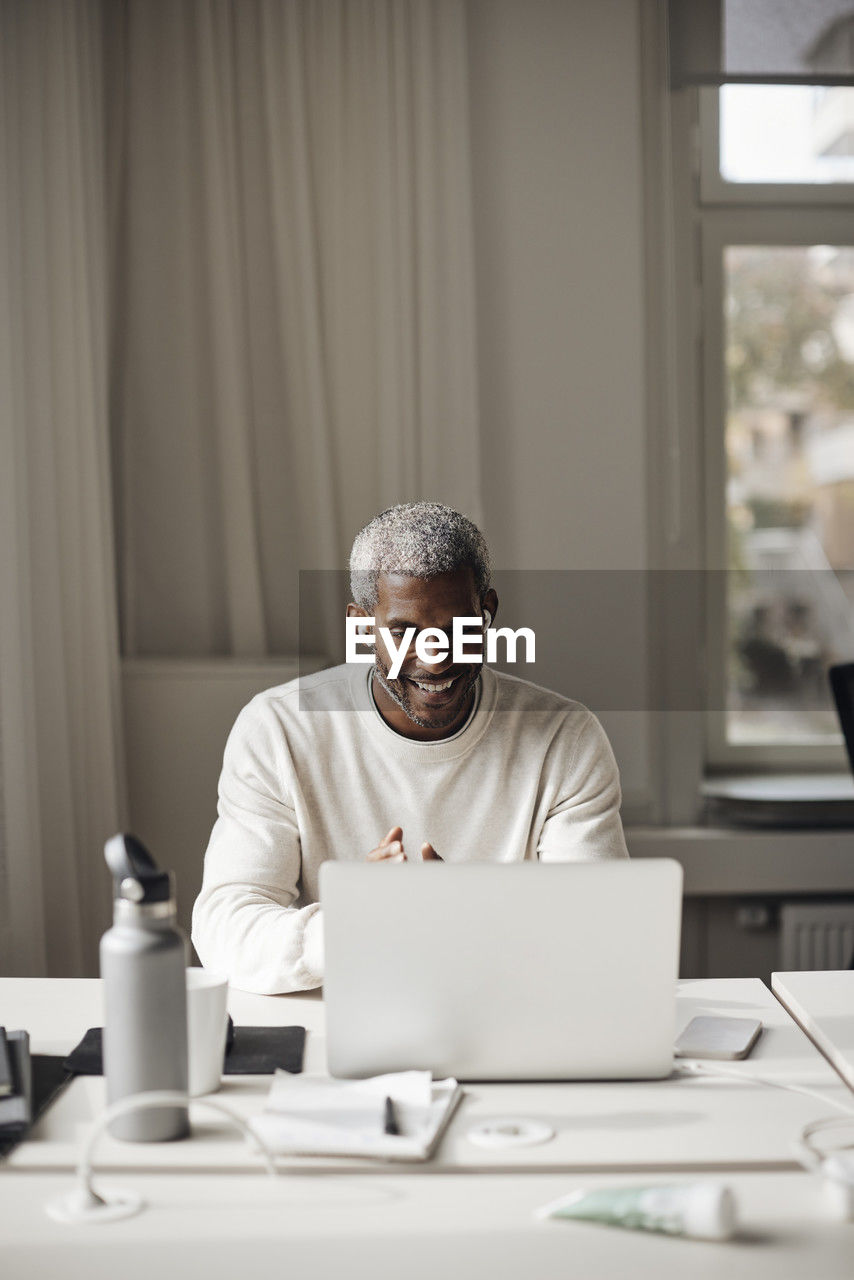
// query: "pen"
[[390, 1119]]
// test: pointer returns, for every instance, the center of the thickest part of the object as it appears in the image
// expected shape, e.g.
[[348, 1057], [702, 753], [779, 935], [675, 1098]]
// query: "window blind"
[[716, 42]]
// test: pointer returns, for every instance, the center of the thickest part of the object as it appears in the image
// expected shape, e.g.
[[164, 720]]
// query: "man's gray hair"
[[422, 539]]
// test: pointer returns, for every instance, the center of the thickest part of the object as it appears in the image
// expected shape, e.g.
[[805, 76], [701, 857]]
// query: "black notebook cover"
[[249, 1051]]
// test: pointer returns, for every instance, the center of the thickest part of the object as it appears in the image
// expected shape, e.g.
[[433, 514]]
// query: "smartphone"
[[718, 1038]]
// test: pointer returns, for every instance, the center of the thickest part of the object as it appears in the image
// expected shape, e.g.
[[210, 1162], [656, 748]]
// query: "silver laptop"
[[483, 971]]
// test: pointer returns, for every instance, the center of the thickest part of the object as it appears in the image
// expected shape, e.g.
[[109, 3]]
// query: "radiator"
[[816, 935]]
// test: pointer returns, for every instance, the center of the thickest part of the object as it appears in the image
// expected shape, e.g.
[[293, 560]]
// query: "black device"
[[6, 1082], [842, 686]]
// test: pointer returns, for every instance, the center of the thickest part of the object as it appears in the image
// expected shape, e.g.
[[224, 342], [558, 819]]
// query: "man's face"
[[435, 698]]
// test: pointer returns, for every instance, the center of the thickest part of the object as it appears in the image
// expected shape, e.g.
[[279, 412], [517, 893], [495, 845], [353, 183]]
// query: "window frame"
[[715, 189], [727, 214]]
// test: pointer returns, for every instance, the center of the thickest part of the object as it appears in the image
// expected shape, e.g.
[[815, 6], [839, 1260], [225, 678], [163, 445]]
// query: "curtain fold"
[[293, 322], [236, 321], [61, 766]]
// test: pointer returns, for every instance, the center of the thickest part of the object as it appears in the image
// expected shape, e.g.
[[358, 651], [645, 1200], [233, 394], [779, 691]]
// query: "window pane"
[[786, 133], [789, 345]]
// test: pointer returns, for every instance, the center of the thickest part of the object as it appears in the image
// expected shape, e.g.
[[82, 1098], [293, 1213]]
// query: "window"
[[774, 213], [786, 134]]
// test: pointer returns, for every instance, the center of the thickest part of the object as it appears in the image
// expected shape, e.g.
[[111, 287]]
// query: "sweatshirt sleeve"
[[245, 924], [583, 822]]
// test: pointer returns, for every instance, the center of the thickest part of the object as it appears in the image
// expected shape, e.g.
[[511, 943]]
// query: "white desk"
[[822, 1003], [218, 1222], [676, 1124], [417, 1227]]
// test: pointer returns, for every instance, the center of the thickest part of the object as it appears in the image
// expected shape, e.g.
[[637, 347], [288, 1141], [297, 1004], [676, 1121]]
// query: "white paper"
[[318, 1115]]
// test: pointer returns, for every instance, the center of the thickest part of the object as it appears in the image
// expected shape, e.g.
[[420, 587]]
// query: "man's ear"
[[356, 611], [490, 606]]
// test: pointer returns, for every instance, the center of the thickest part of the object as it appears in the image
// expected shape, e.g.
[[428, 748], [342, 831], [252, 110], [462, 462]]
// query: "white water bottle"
[[143, 963]]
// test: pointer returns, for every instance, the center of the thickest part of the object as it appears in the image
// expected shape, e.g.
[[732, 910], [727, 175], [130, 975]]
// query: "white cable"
[[164, 1098], [694, 1068], [809, 1156], [86, 1205]]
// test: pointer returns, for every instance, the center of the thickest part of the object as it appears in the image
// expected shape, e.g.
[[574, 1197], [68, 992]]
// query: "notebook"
[[16, 1106], [319, 1116]]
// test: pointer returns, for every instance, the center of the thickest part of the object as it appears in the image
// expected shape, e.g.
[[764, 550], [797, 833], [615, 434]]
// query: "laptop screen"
[[842, 684]]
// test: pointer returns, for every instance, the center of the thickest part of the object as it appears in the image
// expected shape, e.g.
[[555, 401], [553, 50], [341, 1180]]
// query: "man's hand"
[[390, 849]]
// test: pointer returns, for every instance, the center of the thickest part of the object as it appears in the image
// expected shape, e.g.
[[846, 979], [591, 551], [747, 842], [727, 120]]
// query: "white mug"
[[207, 1024]]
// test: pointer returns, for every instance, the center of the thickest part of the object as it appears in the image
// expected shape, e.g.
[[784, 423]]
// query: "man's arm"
[[584, 822], [244, 922]]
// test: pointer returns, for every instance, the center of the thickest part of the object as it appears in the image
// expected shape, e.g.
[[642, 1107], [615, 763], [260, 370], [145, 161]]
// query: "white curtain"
[[60, 761], [236, 267], [293, 300]]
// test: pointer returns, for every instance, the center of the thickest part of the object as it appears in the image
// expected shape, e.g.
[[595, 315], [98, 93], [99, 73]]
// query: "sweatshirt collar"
[[390, 742]]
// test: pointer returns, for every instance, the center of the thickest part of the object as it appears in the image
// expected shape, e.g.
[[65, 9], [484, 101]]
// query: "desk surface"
[[378, 1225], [419, 1227], [675, 1124], [823, 1005]]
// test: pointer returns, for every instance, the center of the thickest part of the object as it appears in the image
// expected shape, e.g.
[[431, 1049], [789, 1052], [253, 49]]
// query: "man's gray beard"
[[403, 701]]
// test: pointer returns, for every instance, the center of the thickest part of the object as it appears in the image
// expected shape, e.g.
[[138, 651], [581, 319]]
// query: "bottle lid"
[[136, 876]]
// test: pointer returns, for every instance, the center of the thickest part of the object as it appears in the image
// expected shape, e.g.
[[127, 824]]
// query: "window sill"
[[727, 861], [782, 801]]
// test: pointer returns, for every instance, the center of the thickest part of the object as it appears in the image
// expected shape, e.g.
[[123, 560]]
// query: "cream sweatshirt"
[[312, 771]]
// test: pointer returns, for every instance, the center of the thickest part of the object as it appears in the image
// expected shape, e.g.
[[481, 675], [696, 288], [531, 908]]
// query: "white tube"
[[701, 1210]]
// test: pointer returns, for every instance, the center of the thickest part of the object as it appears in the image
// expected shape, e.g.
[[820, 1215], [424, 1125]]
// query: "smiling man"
[[441, 760]]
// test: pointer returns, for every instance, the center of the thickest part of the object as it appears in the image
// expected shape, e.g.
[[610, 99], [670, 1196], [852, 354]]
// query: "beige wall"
[[558, 199], [555, 102]]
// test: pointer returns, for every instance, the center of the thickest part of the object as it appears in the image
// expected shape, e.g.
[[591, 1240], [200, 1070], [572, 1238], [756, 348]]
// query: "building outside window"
[[775, 225]]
